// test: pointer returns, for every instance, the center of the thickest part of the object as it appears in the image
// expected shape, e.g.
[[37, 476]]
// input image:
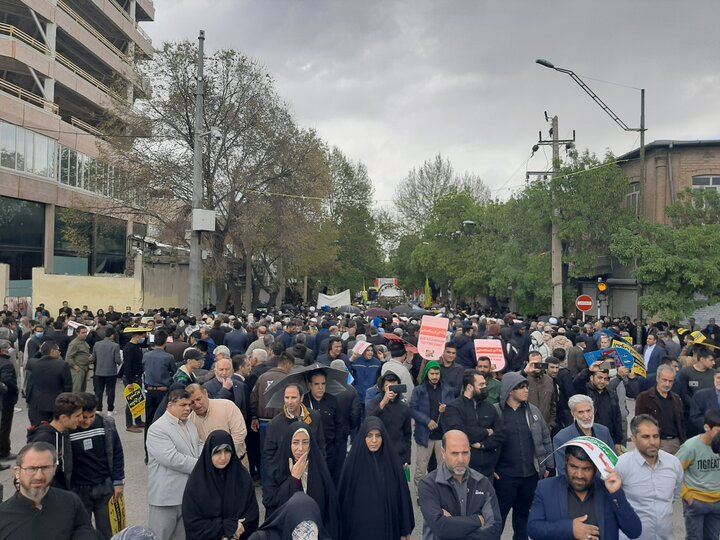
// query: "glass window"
[[64, 165], [52, 158], [632, 199], [22, 223], [706, 182], [40, 155], [20, 165], [72, 168], [29, 145], [7, 145]]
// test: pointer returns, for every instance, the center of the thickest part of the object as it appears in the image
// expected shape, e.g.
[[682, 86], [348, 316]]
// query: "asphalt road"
[[136, 472]]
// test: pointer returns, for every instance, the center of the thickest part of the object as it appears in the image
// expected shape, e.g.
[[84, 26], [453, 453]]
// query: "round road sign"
[[584, 302]]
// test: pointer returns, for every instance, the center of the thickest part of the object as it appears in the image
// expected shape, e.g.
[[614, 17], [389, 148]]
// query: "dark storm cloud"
[[393, 83]]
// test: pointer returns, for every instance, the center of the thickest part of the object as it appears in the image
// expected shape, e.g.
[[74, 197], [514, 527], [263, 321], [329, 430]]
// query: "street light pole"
[[619, 122], [195, 270], [610, 113], [555, 244]]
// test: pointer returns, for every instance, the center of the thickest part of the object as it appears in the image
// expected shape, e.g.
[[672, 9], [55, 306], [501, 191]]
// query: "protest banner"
[[621, 357], [492, 348], [602, 456], [433, 334], [135, 399]]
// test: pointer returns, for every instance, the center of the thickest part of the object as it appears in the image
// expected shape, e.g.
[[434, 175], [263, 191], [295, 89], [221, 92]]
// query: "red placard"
[[432, 338], [492, 348]]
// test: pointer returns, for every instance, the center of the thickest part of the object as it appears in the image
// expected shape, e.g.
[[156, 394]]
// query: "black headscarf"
[[215, 499], [280, 485], [300, 507], [374, 484]]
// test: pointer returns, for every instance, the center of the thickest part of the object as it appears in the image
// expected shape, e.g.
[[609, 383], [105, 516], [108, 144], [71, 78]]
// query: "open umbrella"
[[288, 307], [378, 312], [409, 347], [301, 376], [349, 309], [410, 310]]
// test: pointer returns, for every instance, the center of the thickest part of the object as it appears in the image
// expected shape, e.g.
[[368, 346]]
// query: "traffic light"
[[602, 290]]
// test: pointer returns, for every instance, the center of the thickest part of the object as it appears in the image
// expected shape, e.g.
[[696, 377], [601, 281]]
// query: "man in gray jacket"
[[107, 360], [173, 447], [526, 453]]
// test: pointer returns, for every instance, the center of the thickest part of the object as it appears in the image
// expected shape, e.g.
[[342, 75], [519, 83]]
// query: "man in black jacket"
[[395, 414], [46, 378], [62, 514], [67, 414], [133, 371], [479, 420], [445, 515], [7, 401], [317, 399]]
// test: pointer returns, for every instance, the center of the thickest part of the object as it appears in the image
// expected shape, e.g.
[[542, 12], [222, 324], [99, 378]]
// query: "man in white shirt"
[[652, 479], [173, 447]]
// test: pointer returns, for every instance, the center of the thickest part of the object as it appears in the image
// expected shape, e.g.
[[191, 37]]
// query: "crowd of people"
[[346, 429]]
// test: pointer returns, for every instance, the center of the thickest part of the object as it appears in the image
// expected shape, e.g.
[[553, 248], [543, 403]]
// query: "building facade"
[[672, 167], [64, 65]]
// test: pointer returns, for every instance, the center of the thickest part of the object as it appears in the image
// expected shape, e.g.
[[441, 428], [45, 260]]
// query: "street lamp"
[[610, 113], [619, 122]]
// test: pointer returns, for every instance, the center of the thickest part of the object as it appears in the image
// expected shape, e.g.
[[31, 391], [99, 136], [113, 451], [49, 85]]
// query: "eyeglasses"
[[34, 470]]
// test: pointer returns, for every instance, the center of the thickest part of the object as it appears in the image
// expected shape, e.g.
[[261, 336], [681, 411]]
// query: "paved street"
[[136, 472]]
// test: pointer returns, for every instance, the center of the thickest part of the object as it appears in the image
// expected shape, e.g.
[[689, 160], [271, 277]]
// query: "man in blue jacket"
[[427, 406], [448, 515], [581, 505]]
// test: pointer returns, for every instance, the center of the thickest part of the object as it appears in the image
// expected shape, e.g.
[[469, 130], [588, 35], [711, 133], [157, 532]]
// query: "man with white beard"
[[583, 413]]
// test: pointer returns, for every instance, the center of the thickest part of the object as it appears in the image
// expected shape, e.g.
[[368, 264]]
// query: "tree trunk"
[[248, 296]]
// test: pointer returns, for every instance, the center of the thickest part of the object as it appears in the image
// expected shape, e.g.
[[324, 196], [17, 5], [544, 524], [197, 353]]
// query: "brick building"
[[672, 167]]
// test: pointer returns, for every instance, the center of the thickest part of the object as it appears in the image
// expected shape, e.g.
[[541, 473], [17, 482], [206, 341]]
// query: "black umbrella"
[[288, 307], [410, 310], [335, 383], [349, 309], [378, 312]]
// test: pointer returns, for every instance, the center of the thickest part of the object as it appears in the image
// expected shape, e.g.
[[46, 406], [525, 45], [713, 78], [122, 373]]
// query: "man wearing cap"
[[133, 372], [8, 377], [427, 407]]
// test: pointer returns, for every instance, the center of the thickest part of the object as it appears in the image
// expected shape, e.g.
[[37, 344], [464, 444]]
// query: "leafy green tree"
[[676, 265]]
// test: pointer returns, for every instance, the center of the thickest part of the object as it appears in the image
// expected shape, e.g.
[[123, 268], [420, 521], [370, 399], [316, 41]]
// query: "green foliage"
[[506, 253], [676, 264]]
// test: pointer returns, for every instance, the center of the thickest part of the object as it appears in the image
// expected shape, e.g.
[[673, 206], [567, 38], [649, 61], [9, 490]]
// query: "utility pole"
[[556, 274], [195, 285], [555, 244]]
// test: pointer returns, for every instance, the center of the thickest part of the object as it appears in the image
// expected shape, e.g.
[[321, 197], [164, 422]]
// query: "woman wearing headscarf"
[[297, 519], [373, 483], [219, 500], [299, 466]]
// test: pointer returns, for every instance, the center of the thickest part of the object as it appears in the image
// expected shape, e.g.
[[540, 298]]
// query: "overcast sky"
[[392, 83]]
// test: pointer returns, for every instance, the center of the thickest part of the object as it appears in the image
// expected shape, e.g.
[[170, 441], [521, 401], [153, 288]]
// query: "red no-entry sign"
[[584, 302]]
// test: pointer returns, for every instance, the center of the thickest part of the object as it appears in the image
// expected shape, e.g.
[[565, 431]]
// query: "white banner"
[[334, 300]]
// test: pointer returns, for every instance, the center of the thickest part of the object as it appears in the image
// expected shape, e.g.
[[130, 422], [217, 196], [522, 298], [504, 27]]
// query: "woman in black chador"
[[219, 500], [300, 466], [374, 496]]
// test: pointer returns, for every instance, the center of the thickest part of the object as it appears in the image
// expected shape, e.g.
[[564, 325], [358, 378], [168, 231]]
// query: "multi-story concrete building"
[[63, 65]]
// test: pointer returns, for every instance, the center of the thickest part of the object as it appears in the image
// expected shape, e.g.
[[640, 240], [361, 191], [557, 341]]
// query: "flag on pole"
[[428, 294], [365, 296]]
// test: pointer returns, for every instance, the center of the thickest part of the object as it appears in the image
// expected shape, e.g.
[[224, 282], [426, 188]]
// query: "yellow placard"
[[116, 509], [135, 399], [639, 364]]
